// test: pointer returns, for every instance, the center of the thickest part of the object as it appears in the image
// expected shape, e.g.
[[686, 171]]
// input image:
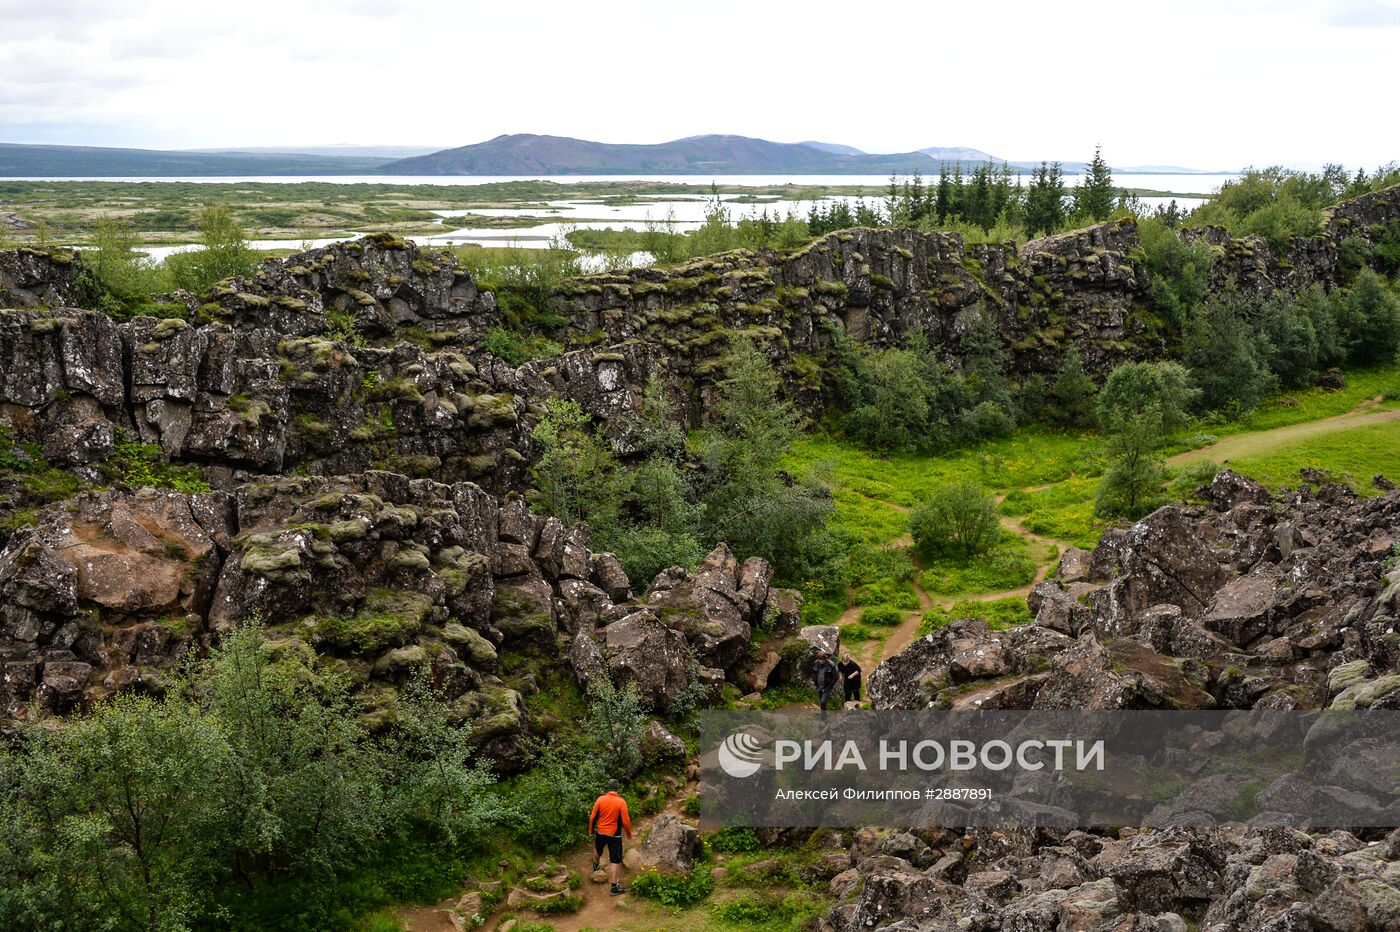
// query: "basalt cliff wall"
[[368, 354]]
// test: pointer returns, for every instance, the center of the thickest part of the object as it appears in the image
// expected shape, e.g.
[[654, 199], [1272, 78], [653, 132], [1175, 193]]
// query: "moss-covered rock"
[[386, 618]]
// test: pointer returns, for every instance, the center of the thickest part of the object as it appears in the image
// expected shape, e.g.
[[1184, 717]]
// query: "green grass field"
[[1048, 479], [1352, 456]]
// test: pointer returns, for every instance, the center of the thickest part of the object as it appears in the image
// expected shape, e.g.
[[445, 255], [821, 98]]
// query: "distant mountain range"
[[31, 161], [525, 154], [338, 151], [520, 154]]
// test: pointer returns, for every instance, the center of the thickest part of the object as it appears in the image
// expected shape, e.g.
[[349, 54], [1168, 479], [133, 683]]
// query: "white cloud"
[[1210, 84]]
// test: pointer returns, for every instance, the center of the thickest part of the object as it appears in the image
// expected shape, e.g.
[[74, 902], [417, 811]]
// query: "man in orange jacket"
[[606, 824]]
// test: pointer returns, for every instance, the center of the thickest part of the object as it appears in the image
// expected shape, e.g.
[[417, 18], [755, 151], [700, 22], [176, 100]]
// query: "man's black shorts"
[[612, 842]]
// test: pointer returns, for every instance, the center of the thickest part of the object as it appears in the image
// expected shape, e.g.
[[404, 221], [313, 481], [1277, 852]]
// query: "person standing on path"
[[825, 676], [850, 678], [606, 824]]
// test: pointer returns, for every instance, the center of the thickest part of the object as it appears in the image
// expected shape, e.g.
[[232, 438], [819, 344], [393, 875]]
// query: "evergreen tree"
[[1093, 199], [1368, 316], [749, 501], [917, 204], [984, 359], [978, 208], [957, 192], [1001, 193], [663, 523], [1045, 206], [1072, 395], [1227, 357], [867, 215], [943, 199], [893, 200], [1291, 347], [1055, 198]]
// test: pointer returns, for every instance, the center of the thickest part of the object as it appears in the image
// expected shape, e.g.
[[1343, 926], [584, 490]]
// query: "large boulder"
[[1166, 557], [147, 552], [715, 614], [1087, 677], [643, 652], [950, 659], [671, 847]]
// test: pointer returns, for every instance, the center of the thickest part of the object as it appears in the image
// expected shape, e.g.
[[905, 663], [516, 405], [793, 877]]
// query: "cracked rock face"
[[381, 575], [1248, 602], [367, 354]]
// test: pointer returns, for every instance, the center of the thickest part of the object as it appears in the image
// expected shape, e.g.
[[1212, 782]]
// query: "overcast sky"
[[1202, 83]]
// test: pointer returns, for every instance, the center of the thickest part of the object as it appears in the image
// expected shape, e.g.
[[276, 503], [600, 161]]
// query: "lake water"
[[1180, 183], [679, 211]]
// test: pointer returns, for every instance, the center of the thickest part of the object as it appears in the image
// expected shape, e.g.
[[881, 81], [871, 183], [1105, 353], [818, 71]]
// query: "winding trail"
[[871, 652], [1252, 443], [600, 909]]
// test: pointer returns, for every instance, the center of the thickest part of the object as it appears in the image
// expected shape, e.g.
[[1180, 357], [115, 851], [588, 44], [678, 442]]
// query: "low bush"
[[883, 616], [1008, 566], [678, 891], [960, 518], [569, 903], [793, 911], [734, 840]]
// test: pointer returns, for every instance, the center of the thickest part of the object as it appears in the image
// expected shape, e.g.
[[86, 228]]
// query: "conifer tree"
[[943, 199], [1045, 210], [1094, 196], [916, 198], [1056, 198], [979, 199]]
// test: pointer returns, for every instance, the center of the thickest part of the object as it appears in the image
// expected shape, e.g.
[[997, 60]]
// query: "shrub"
[[884, 616], [253, 762], [678, 891], [567, 903], [1006, 566], [224, 253], [959, 518], [1072, 395], [1282, 220], [1180, 272], [616, 720], [999, 614], [504, 345], [163, 777], [793, 911], [735, 840], [856, 634], [1193, 477], [552, 800]]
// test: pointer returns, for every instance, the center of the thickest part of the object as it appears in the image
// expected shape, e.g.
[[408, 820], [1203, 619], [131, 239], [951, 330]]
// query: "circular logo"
[[741, 755]]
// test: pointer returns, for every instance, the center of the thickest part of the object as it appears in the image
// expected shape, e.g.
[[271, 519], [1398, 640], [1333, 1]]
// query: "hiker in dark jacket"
[[825, 676], [850, 678]]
